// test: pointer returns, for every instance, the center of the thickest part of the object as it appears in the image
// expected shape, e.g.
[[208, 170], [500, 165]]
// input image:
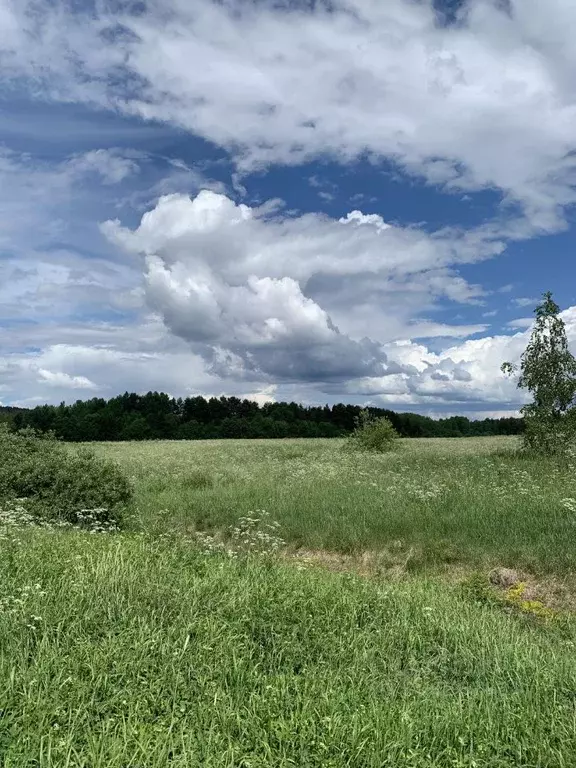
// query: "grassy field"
[[143, 649], [470, 501]]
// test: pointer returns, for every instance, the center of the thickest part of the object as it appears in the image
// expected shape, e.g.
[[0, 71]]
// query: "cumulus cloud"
[[468, 373], [249, 290], [241, 298], [485, 103], [462, 379], [359, 218]]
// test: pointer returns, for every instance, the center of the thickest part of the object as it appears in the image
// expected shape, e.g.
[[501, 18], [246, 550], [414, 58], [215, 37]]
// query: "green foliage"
[[373, 434], [548, 372], [60, 484], [8, 414], [156, 416]]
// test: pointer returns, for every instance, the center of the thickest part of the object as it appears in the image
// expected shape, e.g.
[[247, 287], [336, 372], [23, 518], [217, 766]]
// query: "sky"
[[313, 200]]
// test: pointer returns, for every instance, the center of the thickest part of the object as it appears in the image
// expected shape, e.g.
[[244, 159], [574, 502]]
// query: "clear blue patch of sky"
[[372, 188], [531, 267], [52, 132], [99, 315], [16, 322]]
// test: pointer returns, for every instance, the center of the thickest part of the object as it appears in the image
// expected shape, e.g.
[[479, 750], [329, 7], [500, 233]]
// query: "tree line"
[[156, 415], [7, 413]]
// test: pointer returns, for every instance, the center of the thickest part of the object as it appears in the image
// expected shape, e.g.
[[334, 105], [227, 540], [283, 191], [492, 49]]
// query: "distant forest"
[[7, 413], [156, 416]]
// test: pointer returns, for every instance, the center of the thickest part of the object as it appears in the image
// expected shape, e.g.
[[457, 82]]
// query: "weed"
[[515, 597], [257, 533]]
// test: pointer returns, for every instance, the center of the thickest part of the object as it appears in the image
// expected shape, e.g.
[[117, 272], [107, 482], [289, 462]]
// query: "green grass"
[[145, 650], [125, 651], [433, 502]]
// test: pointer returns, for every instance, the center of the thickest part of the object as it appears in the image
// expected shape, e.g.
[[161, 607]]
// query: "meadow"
[[470, 501], [366, 634]]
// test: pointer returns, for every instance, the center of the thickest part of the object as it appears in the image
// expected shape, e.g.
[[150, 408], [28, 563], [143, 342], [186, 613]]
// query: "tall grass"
[[151, 647], [125, 650], [434, 501]]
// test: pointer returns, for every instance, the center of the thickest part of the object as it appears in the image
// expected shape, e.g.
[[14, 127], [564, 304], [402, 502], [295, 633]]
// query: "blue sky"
[[356, 201]]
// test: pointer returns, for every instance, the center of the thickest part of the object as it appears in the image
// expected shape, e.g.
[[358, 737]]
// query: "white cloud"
[[464, 378], [301, 304], [69, 370], [111, 165], [262, 396], [40, 200], [521, 322], [487, 103], [244, 295], [525, 302], [278, 294], [258, 300], [468, 373], [424, 329], [55, 263], [359, 218], [64, 380]]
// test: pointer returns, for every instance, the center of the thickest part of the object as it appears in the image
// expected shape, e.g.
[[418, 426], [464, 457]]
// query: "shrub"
[[58, 483], [376, 435]]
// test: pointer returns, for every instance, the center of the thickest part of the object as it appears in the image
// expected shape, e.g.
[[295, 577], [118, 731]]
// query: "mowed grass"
[[122, 651], [145, 650], [470, 501]]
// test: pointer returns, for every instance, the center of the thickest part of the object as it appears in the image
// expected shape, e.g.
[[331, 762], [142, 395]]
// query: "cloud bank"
[[207, 293], [247, 290], [488, 102]]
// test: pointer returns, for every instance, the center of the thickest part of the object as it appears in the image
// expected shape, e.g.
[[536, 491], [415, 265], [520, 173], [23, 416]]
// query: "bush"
[[59, 484], [550, 436], [376, 435]]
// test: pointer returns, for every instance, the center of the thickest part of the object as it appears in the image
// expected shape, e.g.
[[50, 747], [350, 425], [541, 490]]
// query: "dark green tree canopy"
[[155, 416]]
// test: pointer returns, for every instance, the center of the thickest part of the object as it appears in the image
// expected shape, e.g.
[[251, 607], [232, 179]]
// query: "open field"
[[141, 649], [435, 501]]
